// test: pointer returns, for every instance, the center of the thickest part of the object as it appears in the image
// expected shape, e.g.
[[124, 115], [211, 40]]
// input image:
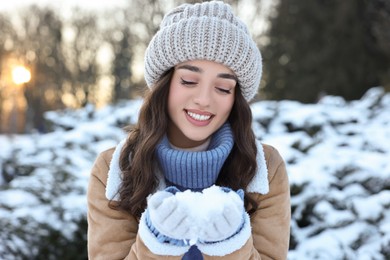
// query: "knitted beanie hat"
[[208, 31]]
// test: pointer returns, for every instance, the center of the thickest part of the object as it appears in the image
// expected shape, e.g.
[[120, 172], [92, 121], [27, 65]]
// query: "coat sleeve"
[[112, 234], [271, 222]]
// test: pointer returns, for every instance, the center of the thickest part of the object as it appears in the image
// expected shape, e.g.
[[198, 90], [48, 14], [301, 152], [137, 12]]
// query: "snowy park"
[[336, 151]]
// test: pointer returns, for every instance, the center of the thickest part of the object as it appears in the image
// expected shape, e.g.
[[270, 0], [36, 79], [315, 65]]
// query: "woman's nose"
[[202, 97]]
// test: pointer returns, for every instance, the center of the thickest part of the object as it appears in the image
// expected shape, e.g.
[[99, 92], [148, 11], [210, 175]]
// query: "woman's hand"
[[224, 223], [212, 215], [170, 216]]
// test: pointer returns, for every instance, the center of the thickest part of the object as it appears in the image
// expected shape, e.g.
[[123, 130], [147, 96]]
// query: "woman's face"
[[201, 96]]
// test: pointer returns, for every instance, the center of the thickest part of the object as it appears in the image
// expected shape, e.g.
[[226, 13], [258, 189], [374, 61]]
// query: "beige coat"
[[114, 234]]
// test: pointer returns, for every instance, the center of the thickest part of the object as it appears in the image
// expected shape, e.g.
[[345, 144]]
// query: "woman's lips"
[[199, 118]]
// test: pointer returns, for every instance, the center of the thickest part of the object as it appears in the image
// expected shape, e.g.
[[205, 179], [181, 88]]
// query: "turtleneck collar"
[[195, 170]]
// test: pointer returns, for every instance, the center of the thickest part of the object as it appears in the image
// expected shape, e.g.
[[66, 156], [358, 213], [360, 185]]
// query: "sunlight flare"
[[20, 75]]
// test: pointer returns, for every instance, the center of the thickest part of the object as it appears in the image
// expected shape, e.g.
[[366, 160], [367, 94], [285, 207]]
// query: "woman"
[[191, 181]]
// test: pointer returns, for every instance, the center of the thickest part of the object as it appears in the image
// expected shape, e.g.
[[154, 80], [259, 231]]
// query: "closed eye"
[[186, 82], [224, 91]]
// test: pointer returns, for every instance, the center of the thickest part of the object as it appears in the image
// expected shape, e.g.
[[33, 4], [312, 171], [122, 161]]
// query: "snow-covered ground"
[[337, 156]]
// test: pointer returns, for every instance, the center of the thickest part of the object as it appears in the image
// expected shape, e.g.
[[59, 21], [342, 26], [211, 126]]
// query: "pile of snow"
[[337, 156], [43, 181]]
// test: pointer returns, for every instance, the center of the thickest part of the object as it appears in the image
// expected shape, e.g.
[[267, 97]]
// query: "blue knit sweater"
[[195, 170]]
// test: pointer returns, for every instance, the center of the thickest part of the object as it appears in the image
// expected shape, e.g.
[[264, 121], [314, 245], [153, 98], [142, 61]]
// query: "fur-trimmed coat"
[[113, 234]]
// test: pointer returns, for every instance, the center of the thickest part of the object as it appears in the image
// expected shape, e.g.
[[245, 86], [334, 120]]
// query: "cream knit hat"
[[208, 31]]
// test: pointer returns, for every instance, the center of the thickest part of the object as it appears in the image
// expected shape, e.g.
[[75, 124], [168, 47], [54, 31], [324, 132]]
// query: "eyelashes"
[[186, 82], [193, 83], [224, 91]]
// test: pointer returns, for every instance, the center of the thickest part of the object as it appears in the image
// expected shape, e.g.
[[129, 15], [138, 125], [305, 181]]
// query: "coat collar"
[[259, 183]]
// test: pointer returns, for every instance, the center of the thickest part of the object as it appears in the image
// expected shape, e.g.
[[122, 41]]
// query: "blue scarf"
[[195, 170]]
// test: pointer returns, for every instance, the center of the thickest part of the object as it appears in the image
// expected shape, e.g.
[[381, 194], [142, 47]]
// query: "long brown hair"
[[138, 154]]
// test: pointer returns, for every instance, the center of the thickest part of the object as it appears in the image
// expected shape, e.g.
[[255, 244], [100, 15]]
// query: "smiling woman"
[[194, 133], [199, 101]]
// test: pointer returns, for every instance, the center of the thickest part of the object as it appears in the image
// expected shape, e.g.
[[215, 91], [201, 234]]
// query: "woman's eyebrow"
[[190, 67], [199, 70], [228, 76]]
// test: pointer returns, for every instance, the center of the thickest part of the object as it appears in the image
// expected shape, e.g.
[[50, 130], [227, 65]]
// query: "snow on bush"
[[337, 156]]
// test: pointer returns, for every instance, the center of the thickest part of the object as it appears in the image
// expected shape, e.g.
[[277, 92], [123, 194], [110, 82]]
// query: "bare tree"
[[6, 34], [39, 41], [81, 57], [121, 40]]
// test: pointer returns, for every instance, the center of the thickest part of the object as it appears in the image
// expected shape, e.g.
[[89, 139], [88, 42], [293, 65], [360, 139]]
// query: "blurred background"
[[67, 54], [71, 77]]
